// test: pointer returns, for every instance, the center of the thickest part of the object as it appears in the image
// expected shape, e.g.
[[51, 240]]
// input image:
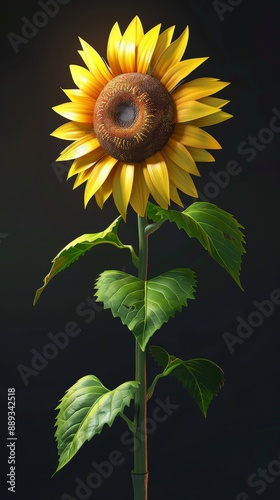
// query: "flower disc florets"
[[133, 117]]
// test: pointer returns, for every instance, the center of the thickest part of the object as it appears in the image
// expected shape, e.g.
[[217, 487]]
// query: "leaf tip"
[[55, 472], [37, 296]]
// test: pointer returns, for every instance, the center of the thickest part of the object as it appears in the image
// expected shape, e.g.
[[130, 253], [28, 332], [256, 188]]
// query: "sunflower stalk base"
[[140, 486]]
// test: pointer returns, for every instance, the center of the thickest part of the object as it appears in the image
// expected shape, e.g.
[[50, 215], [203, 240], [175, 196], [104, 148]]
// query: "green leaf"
[[216, 229], [143, 306], [80, 246], [84, 410], [202, 378]]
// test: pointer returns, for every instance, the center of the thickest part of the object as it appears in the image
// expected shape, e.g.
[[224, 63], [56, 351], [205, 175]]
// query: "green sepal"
[[217, 231], [78, 247], [202, 378], [143, 306], [84, 410]]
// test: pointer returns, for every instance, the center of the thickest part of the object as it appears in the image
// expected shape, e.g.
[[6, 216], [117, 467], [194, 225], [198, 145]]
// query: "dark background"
[[189, 457]]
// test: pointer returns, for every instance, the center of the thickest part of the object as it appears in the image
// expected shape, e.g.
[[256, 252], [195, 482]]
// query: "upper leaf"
[[80, 246], [143, 306], [202, 378], [83, 411], [216, 229]]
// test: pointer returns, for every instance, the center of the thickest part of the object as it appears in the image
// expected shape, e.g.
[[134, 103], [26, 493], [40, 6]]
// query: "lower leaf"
[[84, 410], [202, 378]]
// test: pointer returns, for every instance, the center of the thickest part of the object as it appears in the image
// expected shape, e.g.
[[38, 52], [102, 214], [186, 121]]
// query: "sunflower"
[[135, 123]]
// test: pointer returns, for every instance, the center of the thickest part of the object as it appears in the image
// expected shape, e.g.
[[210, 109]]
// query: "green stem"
[[140, 472]]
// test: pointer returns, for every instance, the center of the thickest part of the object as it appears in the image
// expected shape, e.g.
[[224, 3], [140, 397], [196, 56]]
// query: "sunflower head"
[[136, 128]]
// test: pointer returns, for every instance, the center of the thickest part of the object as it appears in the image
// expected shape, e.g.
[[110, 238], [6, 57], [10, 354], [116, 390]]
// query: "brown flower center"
[[133, 117]]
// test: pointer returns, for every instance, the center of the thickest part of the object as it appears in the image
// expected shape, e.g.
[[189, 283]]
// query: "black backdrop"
[[234, 454]]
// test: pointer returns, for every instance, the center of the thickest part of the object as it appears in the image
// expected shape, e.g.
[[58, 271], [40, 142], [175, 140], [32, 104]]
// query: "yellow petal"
[[85, 162], [157, 179], [95, 63], [104, 191], [112, 49], [180, 155], [127, 47], [71, 131], [77, 95], [197, 89], [206, 121], [179, 71], [76, 111], [122, 186], [140, 191], [190, 135], [82, 177], [200, 154], [174, 195], [136, 27], [171, 55], [98, 176], [156, 195], [163, 42], [85, 81], [127, 56], [181, 179], [146, 48], [79, 148], [191, 110], [216, 102]]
